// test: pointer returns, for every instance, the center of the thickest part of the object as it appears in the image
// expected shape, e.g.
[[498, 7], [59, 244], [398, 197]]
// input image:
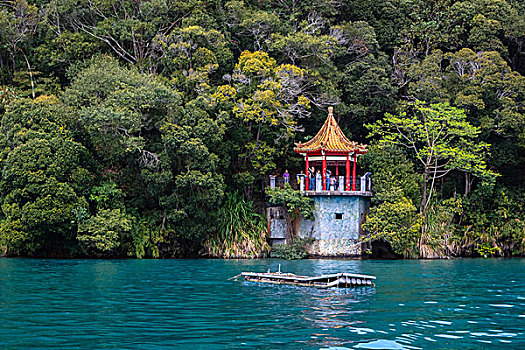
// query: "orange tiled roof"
[[331, 139]]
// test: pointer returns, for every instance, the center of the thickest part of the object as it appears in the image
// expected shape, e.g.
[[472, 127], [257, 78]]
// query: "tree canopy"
[[127, 127]]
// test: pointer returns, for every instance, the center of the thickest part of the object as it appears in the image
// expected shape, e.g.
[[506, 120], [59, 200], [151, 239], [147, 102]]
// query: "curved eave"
[[360, 150], [330, 139]]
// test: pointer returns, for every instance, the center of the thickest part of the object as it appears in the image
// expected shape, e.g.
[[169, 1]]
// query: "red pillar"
[[354, 174], [347, 173], [324, 172], [307, 179], [336, 169]]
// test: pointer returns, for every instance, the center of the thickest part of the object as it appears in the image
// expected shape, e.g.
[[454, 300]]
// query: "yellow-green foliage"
[[256, 63]]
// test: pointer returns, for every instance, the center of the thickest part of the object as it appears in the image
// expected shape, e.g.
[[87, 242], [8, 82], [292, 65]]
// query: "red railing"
[[335, 184]]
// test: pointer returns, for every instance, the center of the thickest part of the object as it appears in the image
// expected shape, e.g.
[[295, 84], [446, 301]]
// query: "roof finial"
[[330, 110]]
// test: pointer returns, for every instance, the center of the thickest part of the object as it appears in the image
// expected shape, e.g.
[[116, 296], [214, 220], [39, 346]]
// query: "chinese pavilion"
[[338, 213], [330, 147]]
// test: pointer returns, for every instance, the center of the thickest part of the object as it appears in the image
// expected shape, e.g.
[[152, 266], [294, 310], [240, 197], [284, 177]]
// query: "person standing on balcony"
[[286, 176], [328, 174], [333, 184], [301, 181], [311, 175]]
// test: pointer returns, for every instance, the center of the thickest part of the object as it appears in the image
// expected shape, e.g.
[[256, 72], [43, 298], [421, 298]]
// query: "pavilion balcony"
[[362, 186]]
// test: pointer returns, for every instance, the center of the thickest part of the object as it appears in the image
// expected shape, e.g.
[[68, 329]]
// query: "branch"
[[119, 51], [445, 173], [410, 141]]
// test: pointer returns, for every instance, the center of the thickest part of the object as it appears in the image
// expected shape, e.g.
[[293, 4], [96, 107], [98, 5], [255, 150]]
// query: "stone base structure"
[[336, 229], [336, 248]]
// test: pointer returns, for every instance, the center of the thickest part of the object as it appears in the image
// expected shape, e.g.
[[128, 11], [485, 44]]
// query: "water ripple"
[[191, 304]]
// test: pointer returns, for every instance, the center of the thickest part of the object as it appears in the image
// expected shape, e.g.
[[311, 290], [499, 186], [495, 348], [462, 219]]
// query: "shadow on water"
[[191, 304]]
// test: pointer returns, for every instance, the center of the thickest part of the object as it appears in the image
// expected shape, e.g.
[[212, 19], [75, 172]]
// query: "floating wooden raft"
[[341, 280]]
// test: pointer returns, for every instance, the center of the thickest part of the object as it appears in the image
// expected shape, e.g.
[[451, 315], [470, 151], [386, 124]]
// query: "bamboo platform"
[[341, 280]]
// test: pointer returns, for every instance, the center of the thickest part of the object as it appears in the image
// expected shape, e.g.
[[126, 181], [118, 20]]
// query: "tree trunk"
[[422, 211], [468, 183], [163, 227], [30, 74], [423, 204], [296, 222], [290, 236], [293, 224]]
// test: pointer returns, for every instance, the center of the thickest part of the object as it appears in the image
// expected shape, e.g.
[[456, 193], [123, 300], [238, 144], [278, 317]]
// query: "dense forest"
[[146, 128]]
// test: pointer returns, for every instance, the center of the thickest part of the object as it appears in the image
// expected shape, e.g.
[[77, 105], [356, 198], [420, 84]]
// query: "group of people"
[[314, 175]]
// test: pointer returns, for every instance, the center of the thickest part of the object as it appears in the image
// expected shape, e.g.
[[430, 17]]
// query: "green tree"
[[489, 91], [493, 218], [147, 142], [393, 172], [103, 233], [398, 223], [365, 81], [119, 108], [393, 217], [18, 25], [129, 29], [260, 108], [297, 207], [440, 139], [41, 188], [252, 27], [195, 58], [186, 184]]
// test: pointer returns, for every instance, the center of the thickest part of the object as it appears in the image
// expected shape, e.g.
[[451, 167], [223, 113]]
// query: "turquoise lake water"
[[191, 304]]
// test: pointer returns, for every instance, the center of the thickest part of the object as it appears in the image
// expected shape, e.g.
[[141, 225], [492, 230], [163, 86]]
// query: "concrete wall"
[[336, 227], [327, 226], [276, 224]]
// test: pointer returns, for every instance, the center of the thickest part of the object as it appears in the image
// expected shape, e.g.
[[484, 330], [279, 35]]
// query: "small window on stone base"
[[339, 216]]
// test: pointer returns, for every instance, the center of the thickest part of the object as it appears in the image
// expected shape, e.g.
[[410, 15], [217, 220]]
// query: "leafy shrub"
[[293, 200], [241, 232], [101, 233], [397, 223], [485, 250]]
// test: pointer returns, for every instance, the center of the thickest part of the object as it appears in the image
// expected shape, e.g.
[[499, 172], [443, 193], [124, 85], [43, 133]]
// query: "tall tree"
[[440, 139], [261, 107]]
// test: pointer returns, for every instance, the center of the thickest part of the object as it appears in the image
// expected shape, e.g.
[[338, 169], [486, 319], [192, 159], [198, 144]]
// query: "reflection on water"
[[334, 311], [191, 304]]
